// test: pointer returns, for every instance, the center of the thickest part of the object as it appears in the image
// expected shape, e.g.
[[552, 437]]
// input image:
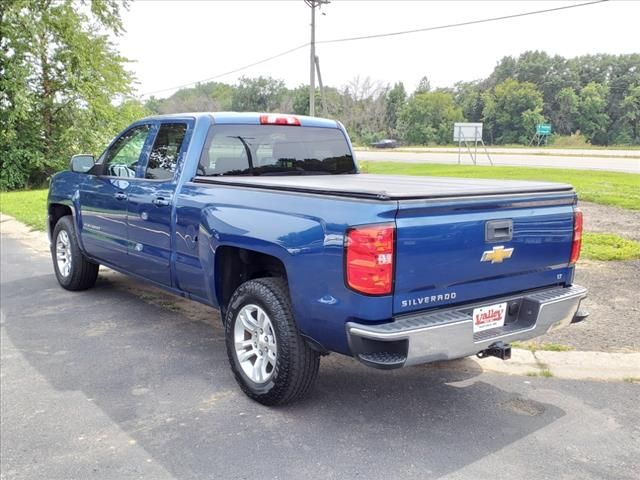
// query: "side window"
[[163, 158], [122, 158]]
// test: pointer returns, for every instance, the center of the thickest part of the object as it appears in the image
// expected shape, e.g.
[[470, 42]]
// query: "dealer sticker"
[[492, 316]]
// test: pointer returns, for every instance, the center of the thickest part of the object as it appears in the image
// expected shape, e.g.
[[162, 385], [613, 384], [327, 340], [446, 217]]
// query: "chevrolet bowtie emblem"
[[497, 255]]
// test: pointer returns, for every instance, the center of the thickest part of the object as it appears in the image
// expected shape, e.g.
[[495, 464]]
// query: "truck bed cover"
[[389, 187]]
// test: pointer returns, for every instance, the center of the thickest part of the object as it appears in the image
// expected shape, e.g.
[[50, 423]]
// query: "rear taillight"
[[369, 259], [577, 236], [279, 120]]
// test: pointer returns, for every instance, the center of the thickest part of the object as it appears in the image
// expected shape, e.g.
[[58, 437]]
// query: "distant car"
[[385, 143]]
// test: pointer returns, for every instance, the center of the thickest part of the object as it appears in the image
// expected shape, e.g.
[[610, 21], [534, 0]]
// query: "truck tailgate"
[[452, 252]]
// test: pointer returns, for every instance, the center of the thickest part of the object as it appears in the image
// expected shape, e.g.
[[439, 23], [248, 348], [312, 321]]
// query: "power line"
[[235, 70], [461, 24], [379, 35]]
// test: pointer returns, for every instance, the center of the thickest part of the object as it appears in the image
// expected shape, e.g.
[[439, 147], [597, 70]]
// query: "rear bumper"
[[447, 334]]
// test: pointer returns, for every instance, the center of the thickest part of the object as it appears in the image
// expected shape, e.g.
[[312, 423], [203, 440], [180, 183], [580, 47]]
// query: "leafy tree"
[[394, 102], [592, 119], [505, 69], [631, 117], [512, 110], [468, 95], [428, 117], [550, 75], [60, 75], [567, 110], [300, 99], [262, 94], [424, 85], [553, 74], [203, 97], [624, 76]]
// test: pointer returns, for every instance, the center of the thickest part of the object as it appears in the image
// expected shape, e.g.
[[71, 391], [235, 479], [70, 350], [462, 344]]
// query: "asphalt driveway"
[[100, 384]]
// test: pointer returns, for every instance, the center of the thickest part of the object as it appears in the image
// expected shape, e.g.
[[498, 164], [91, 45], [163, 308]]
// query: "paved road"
[[100, 384], [584, 152], [628, 165]]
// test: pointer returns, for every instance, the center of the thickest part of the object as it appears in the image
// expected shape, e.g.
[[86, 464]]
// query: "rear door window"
[[275, 150], [165, 153]]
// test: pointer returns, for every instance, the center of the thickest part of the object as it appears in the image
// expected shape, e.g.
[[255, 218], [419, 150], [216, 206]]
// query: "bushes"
[[428, 117]]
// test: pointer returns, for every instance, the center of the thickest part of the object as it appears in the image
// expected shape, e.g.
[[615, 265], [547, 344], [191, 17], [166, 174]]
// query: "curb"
[[574, 365], [567, 365]]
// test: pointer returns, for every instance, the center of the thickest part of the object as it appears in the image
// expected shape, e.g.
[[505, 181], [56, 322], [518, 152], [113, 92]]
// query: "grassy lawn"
[[607, 246], [30, 207], [607, 188]]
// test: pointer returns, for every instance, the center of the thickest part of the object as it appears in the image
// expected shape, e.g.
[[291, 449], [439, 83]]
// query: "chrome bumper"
[[447, 334]]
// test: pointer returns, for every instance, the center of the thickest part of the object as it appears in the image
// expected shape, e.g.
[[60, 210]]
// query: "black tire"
[[82, 273], [296, 364]]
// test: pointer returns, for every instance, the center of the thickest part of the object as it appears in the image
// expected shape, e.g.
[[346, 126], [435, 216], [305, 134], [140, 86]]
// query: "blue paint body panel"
[[440, 247], [439, 241]]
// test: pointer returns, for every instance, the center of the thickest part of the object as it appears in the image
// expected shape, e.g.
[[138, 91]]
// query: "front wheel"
[[73, 270], [270, 360]]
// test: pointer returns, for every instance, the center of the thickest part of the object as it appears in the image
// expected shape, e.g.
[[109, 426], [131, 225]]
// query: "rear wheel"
[[73, 270], [270, 360]]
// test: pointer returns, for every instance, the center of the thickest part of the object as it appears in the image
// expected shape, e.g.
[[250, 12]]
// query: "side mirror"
[[81, 163]]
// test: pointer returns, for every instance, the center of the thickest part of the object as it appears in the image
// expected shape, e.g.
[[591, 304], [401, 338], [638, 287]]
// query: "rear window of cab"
[[275, 150]]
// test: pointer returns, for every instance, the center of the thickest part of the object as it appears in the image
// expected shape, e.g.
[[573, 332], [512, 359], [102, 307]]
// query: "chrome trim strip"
[[402, 334]]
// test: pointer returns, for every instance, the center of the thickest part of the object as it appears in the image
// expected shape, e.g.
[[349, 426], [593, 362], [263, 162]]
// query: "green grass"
[[30, 207], [606, 188], [607, 246]]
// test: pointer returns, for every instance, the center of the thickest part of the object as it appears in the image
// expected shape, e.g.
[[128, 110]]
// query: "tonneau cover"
[[389, 187]]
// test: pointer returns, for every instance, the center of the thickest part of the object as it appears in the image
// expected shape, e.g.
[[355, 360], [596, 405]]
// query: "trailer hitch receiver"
[[498, 349]]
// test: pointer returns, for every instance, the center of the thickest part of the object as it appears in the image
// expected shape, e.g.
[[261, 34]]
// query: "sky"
[[174, 43]]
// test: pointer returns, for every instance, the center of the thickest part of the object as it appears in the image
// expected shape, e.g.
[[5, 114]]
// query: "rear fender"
[[285, 237]]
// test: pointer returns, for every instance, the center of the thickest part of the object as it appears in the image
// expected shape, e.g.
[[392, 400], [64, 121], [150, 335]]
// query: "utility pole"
[[312, 64], [312, 57], [322, 98]]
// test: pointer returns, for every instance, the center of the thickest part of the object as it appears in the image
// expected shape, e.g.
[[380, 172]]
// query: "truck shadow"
[[164, 379]]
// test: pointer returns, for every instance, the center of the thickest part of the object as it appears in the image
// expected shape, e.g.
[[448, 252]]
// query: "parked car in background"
[[385, 143]]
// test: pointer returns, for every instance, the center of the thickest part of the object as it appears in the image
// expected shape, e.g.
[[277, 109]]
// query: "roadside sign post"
[[543, 132], [469, 132]]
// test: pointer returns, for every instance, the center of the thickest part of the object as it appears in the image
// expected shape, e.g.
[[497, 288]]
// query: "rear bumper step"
[[448, 334]]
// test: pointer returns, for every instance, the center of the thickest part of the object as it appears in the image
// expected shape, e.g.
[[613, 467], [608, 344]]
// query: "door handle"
[[498, 230], [120, 196], [160, 202]]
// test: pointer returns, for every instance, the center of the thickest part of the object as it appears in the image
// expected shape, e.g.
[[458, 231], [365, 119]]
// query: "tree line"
[[597, 96], [65, 89]]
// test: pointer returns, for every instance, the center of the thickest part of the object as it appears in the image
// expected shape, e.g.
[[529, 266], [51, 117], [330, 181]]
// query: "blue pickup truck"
[[267, 217]]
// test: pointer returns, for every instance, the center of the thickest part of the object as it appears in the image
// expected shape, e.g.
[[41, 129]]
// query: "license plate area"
[[489, 317]]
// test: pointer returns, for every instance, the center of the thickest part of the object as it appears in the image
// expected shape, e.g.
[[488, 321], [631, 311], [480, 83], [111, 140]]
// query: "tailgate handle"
[[499, 230]]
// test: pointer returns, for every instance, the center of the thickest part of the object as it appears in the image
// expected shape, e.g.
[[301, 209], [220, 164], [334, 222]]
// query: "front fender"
[[64, 189]]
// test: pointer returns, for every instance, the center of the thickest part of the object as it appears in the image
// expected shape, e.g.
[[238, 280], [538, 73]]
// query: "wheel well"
[[234, 266], [56, 212]]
